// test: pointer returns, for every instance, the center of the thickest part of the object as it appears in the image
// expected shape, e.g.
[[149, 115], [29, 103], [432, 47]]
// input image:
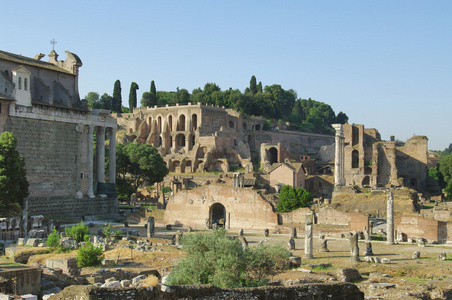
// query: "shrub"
[[216, 259], [89, 255], [53, 240], [293, 198], [78, 232]]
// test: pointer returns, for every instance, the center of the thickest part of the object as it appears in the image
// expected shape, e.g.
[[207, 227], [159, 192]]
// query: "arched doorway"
[[273, 155], [355, 159], [366, 181], [218, 214]]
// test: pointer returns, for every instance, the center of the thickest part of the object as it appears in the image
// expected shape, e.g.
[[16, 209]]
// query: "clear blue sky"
[[386, 64]]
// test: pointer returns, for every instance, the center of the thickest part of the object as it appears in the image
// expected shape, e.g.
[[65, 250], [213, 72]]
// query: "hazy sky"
[[386, 64]]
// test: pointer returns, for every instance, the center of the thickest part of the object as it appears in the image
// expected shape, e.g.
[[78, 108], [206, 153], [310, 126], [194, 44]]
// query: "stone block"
[[348, 275], [125, 283], [33, 242], [137, 279], [112, 285]]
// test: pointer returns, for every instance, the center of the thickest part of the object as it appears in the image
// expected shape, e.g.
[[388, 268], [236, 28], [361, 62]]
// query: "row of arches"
[[245, 126], [187, 166], [175, 124]]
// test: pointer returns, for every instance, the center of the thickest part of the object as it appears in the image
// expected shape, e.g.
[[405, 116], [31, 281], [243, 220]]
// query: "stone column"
[[390, 219], [354, 249], [112, 156], [308, 241], [90, 192], [339, 156], [150, 227], [100, 151]]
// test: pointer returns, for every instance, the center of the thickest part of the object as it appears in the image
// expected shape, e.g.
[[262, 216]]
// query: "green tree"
[[153, 90], [181, 96], [443, 174], [253, 87], [89, 255], [293, 198], [137, 164], [133, 95], [117, 98], [341, 118], [13, 176], [216, 259], [93, 99], [259, 87]]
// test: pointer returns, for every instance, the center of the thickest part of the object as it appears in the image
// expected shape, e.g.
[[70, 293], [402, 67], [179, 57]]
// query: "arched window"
[[182, 123], [170, 123], [19, 83], [194, 121], [273, 153], [25, 84]]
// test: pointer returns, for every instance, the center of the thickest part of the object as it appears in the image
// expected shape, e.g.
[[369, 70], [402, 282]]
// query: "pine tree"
[[117, 98], [133, 95], [259, 87], [13, 179]]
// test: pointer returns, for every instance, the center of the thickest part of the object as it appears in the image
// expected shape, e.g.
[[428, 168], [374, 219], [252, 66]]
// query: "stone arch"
[[217, 214], [366, 181], [196, 165], [201, 152], [273, 155], [194, 121], [174, 165], [258, 127], [180, 141], [218, 166], [355, 159], [150, 121], [231, 124], [158, 141], [368, 171], [170, 123], [159, 123], [244, 125], [188, 166], [181, 125]]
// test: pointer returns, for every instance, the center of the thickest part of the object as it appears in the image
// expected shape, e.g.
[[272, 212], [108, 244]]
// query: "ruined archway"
[[174, 165], [366, 181], [180, 141], [273, 155], [181, 123], [217, 214]]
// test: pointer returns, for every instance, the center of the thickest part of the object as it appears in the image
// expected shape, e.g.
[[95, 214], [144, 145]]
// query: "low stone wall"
[[296, 217], [318, 291], [28, 280], [414, 226], [73, 207]]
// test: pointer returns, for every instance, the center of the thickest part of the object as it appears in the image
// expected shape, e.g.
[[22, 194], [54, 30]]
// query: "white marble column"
[[100, 151], [339, 179], [90, 162], [112, 156]]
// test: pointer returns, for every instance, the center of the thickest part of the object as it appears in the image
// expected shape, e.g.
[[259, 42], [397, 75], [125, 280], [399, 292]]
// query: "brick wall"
[[414, 226]]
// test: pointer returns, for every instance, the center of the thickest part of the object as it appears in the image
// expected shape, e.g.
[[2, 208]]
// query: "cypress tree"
[[253, 87], [117, 98], [133, 95]]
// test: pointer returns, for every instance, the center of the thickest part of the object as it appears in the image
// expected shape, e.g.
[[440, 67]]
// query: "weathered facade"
[[40, 104], [198, 138], [371, 162]]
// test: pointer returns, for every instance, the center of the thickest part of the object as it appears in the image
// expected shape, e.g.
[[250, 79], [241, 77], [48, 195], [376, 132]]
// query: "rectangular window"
[[20, 83]]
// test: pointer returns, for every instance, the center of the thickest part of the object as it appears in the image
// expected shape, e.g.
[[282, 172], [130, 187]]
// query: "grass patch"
[[374, 237], [415, 279]]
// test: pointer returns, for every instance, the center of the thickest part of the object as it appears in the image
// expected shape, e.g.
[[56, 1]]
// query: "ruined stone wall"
[[333, 291], [28, 280], [51, 153], [414, 226], [72, 207], [412, 163], [331, 216], [244, 208], [295, 217]]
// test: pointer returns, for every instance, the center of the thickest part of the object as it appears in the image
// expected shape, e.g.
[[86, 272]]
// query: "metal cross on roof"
[[53, 42]]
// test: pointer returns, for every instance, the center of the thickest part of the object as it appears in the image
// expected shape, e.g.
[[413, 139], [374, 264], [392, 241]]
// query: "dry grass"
[[150, 280], [371, 202], [157, 213]]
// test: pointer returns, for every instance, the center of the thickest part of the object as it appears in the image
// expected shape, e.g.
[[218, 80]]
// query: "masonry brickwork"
[[40, 105]]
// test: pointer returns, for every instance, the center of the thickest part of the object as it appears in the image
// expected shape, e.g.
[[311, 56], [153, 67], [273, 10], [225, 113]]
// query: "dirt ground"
[[404, 277]]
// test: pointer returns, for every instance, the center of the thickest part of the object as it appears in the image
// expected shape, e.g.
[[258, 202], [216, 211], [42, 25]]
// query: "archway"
[[181, 123], [194, 121], [218, 214], [180, 141], [231, 124], [273, 155], [366, 181], [170, 123], [368, 170]]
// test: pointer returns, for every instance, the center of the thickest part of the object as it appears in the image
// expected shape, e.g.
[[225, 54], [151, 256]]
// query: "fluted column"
[[90, 162], [100, 150], [112, 156]]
